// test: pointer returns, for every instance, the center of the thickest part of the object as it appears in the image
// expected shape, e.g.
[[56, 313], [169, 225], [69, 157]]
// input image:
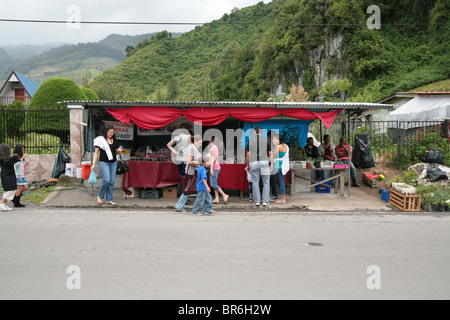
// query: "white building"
[[17, 88]]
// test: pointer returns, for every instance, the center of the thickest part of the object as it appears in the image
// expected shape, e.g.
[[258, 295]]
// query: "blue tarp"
[[298, 126]]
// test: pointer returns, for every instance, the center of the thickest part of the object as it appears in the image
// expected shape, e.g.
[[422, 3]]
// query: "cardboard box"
[[135, 192], [170, 192]]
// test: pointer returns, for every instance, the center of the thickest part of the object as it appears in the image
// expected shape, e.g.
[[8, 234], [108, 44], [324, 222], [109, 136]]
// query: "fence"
[[8, 100], [400, 142], [41, 131]]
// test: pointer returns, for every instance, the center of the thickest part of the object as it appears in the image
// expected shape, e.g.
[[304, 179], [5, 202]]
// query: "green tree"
[[14, 117], [48, 96], [56, 90], [225, 88], [172, 90], [334, 90], [89, 94]]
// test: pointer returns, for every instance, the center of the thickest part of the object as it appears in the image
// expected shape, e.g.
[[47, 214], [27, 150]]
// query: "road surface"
[[141, 254]]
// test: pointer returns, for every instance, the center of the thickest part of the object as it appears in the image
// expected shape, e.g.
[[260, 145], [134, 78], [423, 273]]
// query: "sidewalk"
[[303, 201]]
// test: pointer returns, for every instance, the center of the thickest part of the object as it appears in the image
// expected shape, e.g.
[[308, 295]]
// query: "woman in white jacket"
[[107, 147], [281, 166]]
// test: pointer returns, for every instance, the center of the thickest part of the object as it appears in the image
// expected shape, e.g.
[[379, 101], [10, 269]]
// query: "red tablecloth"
[[233, 176], [150, 174]]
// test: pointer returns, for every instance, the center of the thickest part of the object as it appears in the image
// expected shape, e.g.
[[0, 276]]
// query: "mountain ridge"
[[73, 61], [258, 52]]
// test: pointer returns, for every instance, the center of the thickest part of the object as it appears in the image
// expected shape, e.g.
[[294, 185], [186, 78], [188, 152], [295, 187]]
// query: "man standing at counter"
[[260, 160], [181, 139]]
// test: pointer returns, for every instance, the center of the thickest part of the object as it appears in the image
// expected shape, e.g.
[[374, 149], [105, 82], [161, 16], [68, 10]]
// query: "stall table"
[[338, 177], [160, 174], [150, 174]]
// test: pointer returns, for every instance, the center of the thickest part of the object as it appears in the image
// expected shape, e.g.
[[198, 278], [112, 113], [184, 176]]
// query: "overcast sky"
[[175, 11]]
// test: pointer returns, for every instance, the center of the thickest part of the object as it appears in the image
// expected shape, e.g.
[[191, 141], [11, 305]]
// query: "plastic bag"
[[433, 156], [92, 178], [362, 154], [60, 165], [436, 174]]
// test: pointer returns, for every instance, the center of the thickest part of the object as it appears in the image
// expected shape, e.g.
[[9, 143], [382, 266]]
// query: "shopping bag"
[[189, 182], [122, 166], [92, 178]]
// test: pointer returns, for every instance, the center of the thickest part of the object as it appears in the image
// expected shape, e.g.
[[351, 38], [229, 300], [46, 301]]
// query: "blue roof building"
[[17, 88]]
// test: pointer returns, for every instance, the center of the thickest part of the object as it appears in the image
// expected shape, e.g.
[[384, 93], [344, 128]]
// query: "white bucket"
[[78, 174], [70, 170]]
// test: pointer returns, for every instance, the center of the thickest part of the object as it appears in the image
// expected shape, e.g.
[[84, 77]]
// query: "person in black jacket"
[[310, 149], [8, 176]]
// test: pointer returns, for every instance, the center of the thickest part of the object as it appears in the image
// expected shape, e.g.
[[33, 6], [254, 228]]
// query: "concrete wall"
[[41, 167]]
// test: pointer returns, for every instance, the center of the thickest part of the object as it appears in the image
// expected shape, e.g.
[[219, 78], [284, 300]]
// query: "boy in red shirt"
[[342, 154]]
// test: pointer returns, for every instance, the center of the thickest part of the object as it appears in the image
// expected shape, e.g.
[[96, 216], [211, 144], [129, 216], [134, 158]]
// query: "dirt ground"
[[387, 171]]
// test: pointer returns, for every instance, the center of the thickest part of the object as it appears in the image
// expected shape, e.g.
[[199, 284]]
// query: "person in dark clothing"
[[310, 149], [8, 176], [259, 159]]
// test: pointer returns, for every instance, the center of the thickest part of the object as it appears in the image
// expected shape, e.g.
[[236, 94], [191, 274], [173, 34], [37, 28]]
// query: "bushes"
[[422, 140], [56, 90], [48, 95], [10, 122], [89, 94]]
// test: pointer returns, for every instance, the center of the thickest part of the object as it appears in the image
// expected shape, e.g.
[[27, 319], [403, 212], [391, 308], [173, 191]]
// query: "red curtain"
[[207, 116], [156, 117]]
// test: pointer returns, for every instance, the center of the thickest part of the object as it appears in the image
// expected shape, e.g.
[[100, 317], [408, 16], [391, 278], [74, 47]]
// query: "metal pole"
[[349, 152], [321, 135], [91, 144]]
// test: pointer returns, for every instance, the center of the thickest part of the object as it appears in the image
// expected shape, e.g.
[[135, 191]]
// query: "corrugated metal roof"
[[312, 106], [28, 84]]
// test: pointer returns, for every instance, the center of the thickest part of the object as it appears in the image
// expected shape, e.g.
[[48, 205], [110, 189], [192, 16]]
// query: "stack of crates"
[[151, 193]]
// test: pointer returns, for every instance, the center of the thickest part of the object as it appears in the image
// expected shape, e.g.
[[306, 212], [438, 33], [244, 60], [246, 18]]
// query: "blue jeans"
[[325, 173], [203, 200], [280, 181], [108, 170], [214, 178], [182, 201], [260, 169], [352, 171]]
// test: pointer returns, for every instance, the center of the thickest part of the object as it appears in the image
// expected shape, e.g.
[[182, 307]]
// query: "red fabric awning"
[[157, 117]]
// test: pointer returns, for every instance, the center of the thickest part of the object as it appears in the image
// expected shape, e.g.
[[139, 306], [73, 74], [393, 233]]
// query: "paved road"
[[137, 254]]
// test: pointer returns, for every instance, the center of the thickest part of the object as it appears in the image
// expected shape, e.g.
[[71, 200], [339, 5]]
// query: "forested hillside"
[[191, 66], [258, 52], [71, 61]]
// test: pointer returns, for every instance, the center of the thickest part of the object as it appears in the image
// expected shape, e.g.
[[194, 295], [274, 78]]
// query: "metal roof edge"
[[306, 105]]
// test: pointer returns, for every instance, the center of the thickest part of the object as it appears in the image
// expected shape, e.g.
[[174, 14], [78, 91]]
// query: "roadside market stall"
[[139, 118]]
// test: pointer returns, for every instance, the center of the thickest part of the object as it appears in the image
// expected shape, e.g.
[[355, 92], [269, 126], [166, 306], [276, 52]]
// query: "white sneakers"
[[4, 207]]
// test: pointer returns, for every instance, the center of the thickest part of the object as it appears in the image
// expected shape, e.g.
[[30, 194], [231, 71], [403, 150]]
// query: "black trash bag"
[[60, 164], [362, 154], [436, 174], [432, 156]]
